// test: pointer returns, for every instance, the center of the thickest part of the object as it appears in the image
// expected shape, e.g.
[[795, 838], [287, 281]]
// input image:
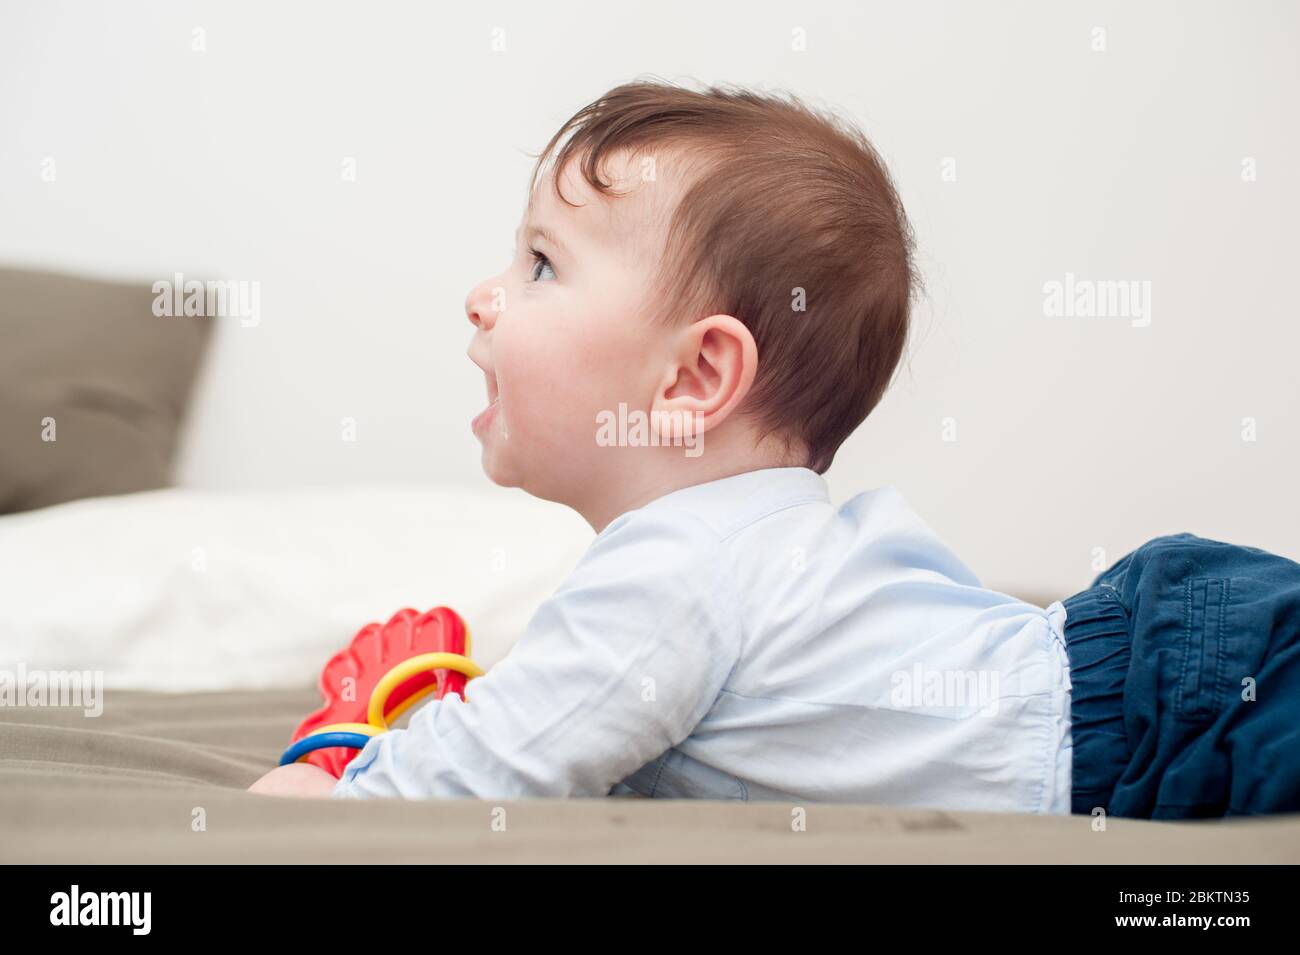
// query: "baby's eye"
[[540, 261]]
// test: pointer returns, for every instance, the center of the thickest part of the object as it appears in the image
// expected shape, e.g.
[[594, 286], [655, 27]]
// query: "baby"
[[710, 292]]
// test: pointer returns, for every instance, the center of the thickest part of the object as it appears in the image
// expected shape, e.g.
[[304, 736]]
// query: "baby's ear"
[[715, 368]]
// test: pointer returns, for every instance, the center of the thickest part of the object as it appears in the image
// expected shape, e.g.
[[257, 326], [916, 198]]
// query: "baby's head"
[[704, 283]]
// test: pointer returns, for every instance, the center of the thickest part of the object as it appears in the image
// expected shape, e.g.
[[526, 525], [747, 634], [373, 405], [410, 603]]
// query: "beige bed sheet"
[[129, 785]]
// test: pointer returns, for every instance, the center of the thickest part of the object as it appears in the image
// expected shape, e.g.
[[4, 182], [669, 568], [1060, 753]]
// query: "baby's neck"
[[664, 470]]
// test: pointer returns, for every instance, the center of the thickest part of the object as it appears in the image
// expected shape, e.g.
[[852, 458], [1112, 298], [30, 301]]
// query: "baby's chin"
[[497, 469], [506, 465], [536, 474]]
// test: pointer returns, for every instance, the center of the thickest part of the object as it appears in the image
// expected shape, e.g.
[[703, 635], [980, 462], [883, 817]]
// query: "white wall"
[[1071, 433]]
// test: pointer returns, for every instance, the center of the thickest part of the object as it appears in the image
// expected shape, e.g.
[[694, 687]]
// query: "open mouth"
[[484, 417]]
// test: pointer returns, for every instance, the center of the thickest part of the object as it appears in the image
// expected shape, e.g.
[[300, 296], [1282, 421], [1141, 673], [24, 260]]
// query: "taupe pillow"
[[114, 379]]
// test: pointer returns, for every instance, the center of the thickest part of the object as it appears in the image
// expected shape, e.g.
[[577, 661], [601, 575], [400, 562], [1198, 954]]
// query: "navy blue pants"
[[1185, 665]]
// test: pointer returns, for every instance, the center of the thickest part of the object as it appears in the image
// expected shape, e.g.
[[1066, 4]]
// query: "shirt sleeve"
[[616, 667]]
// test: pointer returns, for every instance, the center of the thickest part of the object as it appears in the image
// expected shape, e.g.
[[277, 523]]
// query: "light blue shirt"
[[746, 639]]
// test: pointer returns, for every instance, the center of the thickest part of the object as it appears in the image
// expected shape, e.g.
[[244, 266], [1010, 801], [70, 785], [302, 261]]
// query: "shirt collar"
[[731, 502]]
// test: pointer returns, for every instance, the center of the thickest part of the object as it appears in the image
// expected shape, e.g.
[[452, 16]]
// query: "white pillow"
[[184, 589]]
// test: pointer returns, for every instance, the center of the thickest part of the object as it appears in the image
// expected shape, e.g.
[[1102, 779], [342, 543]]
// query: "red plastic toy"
[[351, 675]]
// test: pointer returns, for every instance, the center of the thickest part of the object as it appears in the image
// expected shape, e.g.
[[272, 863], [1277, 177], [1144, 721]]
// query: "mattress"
[[160, 778]]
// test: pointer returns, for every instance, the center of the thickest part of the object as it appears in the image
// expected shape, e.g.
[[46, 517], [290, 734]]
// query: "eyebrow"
[[537, 230]]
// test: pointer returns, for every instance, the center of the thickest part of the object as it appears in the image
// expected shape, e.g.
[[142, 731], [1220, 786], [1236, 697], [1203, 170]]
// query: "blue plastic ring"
[[309, 744]]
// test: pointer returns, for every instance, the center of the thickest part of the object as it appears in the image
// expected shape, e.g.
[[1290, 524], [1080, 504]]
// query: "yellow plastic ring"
[[364, 728], [407, 669], [397, 711], [425, 691]]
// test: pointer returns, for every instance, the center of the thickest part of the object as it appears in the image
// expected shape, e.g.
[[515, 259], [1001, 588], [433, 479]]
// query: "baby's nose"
[[480, 306]]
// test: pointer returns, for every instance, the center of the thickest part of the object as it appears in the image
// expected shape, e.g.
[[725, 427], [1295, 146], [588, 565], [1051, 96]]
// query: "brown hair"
[[786, 197]]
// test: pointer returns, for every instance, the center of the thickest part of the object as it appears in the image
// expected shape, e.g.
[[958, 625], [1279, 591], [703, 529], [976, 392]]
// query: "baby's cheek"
[[556, 377], [549, 387]]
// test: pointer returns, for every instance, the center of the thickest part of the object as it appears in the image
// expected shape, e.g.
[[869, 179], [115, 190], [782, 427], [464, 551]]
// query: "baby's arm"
[[619, 665], [302, 780]]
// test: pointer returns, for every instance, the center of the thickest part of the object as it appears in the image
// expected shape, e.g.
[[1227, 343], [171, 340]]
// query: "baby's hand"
[[299, 780]]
